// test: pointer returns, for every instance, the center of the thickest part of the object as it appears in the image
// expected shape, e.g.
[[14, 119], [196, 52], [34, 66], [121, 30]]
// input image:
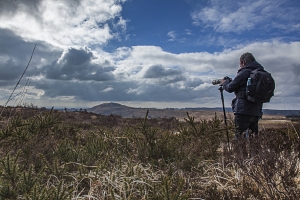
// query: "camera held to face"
[[218, 81]]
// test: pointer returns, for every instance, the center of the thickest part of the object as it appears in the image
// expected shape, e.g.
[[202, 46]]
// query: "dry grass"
[[79, 155]]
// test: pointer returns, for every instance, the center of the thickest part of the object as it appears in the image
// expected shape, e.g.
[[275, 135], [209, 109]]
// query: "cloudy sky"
[[144, 53]]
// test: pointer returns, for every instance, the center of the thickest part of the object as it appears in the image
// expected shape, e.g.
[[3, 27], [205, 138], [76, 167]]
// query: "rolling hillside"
[[130, 112], [198, 113]]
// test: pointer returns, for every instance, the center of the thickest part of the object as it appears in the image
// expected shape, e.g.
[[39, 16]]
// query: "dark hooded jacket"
[[240, 104]]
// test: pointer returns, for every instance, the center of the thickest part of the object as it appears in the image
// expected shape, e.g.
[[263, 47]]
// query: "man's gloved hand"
[[225, 79]]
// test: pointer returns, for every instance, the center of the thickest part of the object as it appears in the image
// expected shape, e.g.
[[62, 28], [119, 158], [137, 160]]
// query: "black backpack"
[[261, 87]]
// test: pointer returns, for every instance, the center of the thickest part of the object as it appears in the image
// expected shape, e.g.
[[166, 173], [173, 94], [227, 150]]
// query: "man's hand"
[[226, 78]]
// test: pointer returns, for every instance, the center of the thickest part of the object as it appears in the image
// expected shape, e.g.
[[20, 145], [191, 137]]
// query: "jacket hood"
[[252, 66]]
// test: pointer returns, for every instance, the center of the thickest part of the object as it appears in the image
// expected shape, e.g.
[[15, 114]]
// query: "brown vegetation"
[[49, 154]]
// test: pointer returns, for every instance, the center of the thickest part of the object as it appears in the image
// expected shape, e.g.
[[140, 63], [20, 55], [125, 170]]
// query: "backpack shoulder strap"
[[259, 69]]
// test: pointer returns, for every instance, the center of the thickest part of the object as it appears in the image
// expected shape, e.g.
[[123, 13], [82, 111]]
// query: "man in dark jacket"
[[246, 113]]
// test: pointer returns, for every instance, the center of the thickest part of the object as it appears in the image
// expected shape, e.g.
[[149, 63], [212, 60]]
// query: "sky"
[[144, 53]]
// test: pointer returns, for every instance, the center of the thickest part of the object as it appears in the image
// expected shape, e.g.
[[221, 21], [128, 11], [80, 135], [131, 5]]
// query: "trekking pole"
[[225, 119]]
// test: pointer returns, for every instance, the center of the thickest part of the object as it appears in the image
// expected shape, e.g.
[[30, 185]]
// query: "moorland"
[[61, 154]]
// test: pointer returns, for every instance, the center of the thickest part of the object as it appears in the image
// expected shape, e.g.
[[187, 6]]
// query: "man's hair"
[[247, 58]]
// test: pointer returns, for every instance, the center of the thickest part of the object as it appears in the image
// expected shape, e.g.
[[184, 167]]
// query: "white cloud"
[[64, 23], [136, 91], [236, 16], [203, 86], [79, 64], [108, 89], [172, 35], [139, 57], [78, 71], [188, 32], [273, 55]]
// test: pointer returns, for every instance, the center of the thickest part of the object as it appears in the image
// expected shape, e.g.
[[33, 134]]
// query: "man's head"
[[246, 58]]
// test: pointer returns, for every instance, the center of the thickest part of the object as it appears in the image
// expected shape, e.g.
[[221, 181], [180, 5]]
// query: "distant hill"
[[117, 109], [131, 112]]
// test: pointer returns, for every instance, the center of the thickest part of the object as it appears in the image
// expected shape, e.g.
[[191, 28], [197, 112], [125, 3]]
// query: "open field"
[[268, 121], [275, 123], [51, 154]]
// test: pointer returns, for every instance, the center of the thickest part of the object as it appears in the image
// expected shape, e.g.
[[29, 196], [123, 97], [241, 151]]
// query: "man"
[[246, 113]]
